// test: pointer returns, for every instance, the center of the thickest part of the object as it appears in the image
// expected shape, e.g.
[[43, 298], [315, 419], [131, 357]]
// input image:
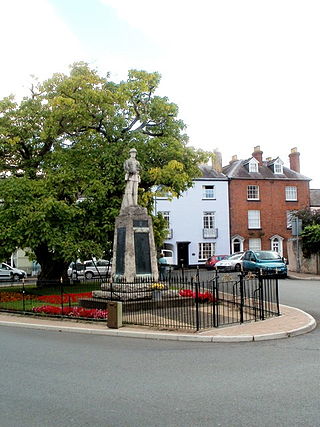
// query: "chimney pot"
[[217, 161], [257, 154], [294, 158]]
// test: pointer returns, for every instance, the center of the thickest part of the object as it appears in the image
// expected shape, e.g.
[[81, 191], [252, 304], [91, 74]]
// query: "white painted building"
[[198, 221]]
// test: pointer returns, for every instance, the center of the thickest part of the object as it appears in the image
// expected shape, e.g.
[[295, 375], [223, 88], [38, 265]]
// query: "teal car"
[[266, 262]]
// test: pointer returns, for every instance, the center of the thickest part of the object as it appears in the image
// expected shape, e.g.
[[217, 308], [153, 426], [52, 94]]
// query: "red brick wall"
[[272, 205]]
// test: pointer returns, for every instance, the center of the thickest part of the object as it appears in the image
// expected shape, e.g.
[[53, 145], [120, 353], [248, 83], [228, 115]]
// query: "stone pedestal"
[[134, 252]]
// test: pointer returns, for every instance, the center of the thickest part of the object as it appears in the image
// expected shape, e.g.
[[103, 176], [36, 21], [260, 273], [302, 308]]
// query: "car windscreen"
[[268, 255], [236, 256]]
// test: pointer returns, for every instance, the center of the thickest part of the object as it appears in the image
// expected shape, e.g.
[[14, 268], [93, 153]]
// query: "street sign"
[[296, 226]]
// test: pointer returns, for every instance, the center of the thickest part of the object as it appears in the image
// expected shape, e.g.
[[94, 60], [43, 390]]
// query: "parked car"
[[211, 262], [10, 273], [268, 262], [90, 269], [231, 263]]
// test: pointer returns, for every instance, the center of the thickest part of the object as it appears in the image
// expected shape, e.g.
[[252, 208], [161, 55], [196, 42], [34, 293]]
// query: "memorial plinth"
[[134, 252]]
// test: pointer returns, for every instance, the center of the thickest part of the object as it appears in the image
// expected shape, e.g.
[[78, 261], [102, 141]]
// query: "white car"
[[232, 263], [10, 273], [90, 269]]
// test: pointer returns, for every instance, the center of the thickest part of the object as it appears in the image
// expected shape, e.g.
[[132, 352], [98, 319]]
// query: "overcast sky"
[[243, 72]]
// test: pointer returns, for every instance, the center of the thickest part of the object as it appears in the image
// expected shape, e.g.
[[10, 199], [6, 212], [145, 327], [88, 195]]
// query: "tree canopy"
[[61, 165], [311, 231]]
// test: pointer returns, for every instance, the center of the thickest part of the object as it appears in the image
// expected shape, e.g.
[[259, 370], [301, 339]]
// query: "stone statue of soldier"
[[132, 168]]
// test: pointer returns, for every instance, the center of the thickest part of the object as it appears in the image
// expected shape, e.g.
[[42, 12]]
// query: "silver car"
[[232, 263], [10, 273], [90, 269]]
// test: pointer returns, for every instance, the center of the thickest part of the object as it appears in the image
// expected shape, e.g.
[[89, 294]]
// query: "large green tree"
[[62, 149], [311, 231]]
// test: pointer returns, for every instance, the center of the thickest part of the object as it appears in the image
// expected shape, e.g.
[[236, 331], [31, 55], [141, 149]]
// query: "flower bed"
[[14, 296], [64, 299], [202, 296], [71, 311]]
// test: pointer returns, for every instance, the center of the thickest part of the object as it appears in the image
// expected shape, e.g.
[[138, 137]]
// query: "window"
[[278, 167], [206, 250], [253, 166], [209, 230], [208, 192], [290, 217], [291, 193], [166, 217], [255, 244], [253, 192], [208, 220], [254, 219]]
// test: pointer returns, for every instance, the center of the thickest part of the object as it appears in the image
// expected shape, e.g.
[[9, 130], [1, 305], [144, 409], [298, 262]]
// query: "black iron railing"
[[179, 302]]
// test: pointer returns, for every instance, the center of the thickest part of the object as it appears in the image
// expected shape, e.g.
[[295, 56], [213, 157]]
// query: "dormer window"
[[278, 166], [253, 165]]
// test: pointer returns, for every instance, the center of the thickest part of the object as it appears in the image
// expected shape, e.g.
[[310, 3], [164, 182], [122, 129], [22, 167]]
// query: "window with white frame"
[[290, 216], [208, 192], [206, 250], [209, 230], [253, 192], [253, 166], [278, 167], [291, 193], [255, 244], [208, 220], [166, 217], [254, 219]]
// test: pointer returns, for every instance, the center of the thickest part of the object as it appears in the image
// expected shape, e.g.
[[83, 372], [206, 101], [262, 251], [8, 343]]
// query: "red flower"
[[65, 299], [202, 296], [186, 293], [91, 313]]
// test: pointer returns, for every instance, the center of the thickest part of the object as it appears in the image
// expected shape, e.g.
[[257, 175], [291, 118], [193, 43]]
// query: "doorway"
[[183, 254]]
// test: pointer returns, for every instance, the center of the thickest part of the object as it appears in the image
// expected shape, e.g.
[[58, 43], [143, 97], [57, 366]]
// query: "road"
[[65, 379]]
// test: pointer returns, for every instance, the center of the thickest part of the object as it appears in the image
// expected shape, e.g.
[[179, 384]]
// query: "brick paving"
[[291, 322]]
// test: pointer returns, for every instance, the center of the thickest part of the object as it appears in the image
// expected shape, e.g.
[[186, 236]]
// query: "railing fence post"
[[197, 304], [61, 294], [261, 296], [23, 296], [241, 298], [216, 300]]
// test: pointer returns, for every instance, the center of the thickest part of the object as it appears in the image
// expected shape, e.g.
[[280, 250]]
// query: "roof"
[[237, 170], [209, 173], [315, 197]]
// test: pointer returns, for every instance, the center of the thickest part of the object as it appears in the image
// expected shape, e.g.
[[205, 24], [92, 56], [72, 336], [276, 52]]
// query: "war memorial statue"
[[132, 168], [134, 252]]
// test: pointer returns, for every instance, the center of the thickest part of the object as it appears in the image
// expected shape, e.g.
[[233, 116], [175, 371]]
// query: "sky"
[[244, 73]]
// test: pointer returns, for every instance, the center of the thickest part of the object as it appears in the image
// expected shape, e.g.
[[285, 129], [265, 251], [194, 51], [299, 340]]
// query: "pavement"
[[292, 322]]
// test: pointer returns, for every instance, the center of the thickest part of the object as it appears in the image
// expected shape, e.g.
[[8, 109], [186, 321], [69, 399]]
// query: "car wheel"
[[237, 267], [88, 275], [15, 277]]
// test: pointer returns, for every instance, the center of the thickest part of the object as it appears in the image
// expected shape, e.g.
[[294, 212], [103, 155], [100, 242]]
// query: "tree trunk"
[[53, 270]]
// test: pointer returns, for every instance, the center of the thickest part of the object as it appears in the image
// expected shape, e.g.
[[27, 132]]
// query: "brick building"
[[262, 196]]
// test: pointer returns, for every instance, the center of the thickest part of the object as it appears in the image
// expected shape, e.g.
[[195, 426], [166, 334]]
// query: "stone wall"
[[307, 265]]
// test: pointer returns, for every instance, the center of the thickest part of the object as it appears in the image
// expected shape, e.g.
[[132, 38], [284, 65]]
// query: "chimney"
[[294, 157], [217, 161], [233, 159], [257, 154]]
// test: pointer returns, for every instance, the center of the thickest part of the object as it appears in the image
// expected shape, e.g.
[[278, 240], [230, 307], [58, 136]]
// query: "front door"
[[183, 253]]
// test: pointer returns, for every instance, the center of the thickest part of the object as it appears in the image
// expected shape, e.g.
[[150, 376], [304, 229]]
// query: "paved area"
[[292, 322]]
